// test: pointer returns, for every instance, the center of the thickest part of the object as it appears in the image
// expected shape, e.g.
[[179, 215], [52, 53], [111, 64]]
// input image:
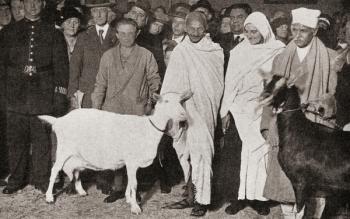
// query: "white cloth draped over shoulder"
[[198, 67], [243, 85]]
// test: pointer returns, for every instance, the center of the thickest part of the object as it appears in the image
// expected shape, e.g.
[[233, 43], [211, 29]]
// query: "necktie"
[[238, 38], [100, 34]]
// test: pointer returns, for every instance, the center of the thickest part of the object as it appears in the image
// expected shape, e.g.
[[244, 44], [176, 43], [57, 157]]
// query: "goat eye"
[[321, 110], [166, 101]]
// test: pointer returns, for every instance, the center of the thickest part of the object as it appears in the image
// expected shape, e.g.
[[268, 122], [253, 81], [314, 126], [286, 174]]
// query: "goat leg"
[[130, 193], [54, 172], [79, 188], [299, 191]]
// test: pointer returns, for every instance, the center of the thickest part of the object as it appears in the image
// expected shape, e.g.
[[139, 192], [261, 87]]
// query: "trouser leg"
[[41, 151], [19, 148], [4, 166]]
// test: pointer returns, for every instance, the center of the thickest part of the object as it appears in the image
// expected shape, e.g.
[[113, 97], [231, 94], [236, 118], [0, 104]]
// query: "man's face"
[[206, 12], [238, 17], [126, 34], [195, 31], [5, 15], [17, 9], [178, 26], [100, 15], [302, 35], [192, 2], [225, 26], [156, 27], [71, 26], [138, 15], [33, 8]]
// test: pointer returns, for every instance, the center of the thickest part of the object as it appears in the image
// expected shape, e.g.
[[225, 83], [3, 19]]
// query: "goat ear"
[[186, 95], [156, 97], [280, 83]]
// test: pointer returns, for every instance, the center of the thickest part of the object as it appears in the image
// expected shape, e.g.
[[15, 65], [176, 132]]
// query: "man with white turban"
[[313, 68]]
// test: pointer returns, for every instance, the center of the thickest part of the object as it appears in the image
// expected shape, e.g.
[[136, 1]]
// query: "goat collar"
[[161, 130], [301, 107]]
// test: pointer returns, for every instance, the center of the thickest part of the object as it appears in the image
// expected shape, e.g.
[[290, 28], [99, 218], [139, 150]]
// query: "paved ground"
[[29, 203]]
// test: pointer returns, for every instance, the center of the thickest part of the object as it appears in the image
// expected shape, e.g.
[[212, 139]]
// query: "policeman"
[[34, 60]]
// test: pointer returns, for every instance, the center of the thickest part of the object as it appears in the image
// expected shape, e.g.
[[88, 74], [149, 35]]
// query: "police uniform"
[[34, 60]]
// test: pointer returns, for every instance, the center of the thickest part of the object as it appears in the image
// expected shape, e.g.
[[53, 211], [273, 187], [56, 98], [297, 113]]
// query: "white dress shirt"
[[104, 28]]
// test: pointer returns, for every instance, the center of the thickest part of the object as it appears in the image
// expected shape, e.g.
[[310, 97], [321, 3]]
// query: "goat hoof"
[[50, 199], [83, 193], [135, 209]]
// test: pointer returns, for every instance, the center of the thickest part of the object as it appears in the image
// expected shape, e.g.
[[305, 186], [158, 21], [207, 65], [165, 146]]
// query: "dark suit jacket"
[[85, 61], [33, 94], [342, 95]]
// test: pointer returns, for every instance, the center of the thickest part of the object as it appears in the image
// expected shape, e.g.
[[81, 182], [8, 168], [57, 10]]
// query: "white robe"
[[198, 67], [243, 85]]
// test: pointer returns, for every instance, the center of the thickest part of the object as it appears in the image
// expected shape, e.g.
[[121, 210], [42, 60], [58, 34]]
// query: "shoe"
[[261, 208], [235, 207], [3, 182], [114, 196], [165, 189], [179, 205], [105, 188], [198, 210], [10, 190]]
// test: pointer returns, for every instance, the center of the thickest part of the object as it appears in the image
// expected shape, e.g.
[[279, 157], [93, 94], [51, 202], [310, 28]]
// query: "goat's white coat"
[[98, 140]]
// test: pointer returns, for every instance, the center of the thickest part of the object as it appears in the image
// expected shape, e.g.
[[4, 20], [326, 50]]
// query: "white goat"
[[99, 140]]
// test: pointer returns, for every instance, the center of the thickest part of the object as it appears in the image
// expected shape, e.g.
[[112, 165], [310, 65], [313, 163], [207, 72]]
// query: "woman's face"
[[17, 9], [253, 35], [282, 31], [71, 26], [156, 28], [5, 15]]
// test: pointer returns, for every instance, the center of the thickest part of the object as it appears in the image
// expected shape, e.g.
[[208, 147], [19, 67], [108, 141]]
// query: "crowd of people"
[[62, 56]]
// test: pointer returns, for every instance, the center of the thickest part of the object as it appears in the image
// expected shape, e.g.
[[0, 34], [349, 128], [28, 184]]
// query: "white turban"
[[306, 17]]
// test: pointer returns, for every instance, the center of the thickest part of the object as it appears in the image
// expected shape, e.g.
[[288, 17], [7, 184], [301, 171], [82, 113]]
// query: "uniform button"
[[32, 33], [31, 53], [31, 46], [32, 27], [30, 60], [32, 39], [30, 74]]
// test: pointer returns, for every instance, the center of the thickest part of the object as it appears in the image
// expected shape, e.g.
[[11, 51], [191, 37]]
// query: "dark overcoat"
[[85, 61]]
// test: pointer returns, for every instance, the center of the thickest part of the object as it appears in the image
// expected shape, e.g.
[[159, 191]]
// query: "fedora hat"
[[98, 3]]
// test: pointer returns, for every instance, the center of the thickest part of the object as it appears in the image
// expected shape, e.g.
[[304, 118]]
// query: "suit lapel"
[[109, 40]]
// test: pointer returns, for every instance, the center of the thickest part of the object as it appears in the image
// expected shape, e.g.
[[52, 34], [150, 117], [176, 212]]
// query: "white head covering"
[[246, 60], [261, 23], [306, 17]]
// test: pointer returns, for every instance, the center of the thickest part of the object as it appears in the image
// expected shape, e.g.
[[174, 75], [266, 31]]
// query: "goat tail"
[[48, 119]]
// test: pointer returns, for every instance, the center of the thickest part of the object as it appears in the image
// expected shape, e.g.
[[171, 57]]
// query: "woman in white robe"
[[243, 85]]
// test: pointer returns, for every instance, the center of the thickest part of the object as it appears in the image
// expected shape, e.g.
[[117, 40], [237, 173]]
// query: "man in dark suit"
[[229, 156], [84, 64], [89, 48], [34, 60]]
